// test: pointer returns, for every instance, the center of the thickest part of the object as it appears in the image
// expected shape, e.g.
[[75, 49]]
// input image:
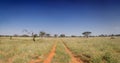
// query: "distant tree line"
[[61, 35], [43, 34]]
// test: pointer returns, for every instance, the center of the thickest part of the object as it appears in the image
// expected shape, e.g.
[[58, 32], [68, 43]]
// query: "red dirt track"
[[51, 54], [48, 59], [73, 59]]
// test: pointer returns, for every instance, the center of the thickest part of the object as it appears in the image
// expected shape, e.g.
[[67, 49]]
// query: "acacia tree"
[[86, 34], [42, 34]]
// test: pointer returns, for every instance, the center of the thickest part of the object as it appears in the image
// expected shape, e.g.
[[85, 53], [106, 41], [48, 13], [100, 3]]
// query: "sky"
[[70, 17]]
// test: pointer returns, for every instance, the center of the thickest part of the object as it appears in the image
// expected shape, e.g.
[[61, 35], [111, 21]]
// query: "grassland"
[[95, 50], [21, 50], [88, 50], [61, 55]]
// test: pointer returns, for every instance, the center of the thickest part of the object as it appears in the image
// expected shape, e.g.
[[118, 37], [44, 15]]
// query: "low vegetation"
[[61, 55], [95, 50], [89, 50], [23, 50]]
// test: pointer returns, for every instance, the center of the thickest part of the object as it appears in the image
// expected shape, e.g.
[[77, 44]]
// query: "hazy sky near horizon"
[[70, 17]]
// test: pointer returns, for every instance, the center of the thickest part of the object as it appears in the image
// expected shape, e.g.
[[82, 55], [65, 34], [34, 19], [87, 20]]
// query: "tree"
[[34, 36], [62, 35], [42, 34], [25, 35], [112, 36], [86, 34], [73, 36], [101, 35], [47, 35], [15, 35], [55, 35]]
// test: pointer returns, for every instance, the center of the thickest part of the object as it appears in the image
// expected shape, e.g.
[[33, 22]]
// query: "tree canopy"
[[86, 34]]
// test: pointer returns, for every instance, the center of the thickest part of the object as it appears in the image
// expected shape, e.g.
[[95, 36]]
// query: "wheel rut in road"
[[51, 55], [73, 59], [48, 59]]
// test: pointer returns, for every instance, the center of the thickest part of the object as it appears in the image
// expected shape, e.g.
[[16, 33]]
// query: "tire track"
[[48, 59], [73, 59], [51, 55]]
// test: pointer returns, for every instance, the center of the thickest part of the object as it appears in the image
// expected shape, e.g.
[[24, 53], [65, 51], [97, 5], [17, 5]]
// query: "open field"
[[60, 50], [95, 50]]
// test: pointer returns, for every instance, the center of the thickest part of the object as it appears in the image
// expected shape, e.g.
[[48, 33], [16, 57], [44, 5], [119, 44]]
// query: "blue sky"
[[70, 17]]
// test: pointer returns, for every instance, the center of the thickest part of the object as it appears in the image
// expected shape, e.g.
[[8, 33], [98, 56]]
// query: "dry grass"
[[95, 50], [90, 50]]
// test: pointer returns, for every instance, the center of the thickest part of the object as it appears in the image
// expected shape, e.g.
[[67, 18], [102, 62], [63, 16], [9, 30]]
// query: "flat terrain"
[[59, 50]]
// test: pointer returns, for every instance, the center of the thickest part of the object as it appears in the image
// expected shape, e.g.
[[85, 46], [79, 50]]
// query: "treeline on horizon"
[[44, 34]]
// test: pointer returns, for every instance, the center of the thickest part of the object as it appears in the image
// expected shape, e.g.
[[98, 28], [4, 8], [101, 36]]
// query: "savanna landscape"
[[59, 31], [60, 50]]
